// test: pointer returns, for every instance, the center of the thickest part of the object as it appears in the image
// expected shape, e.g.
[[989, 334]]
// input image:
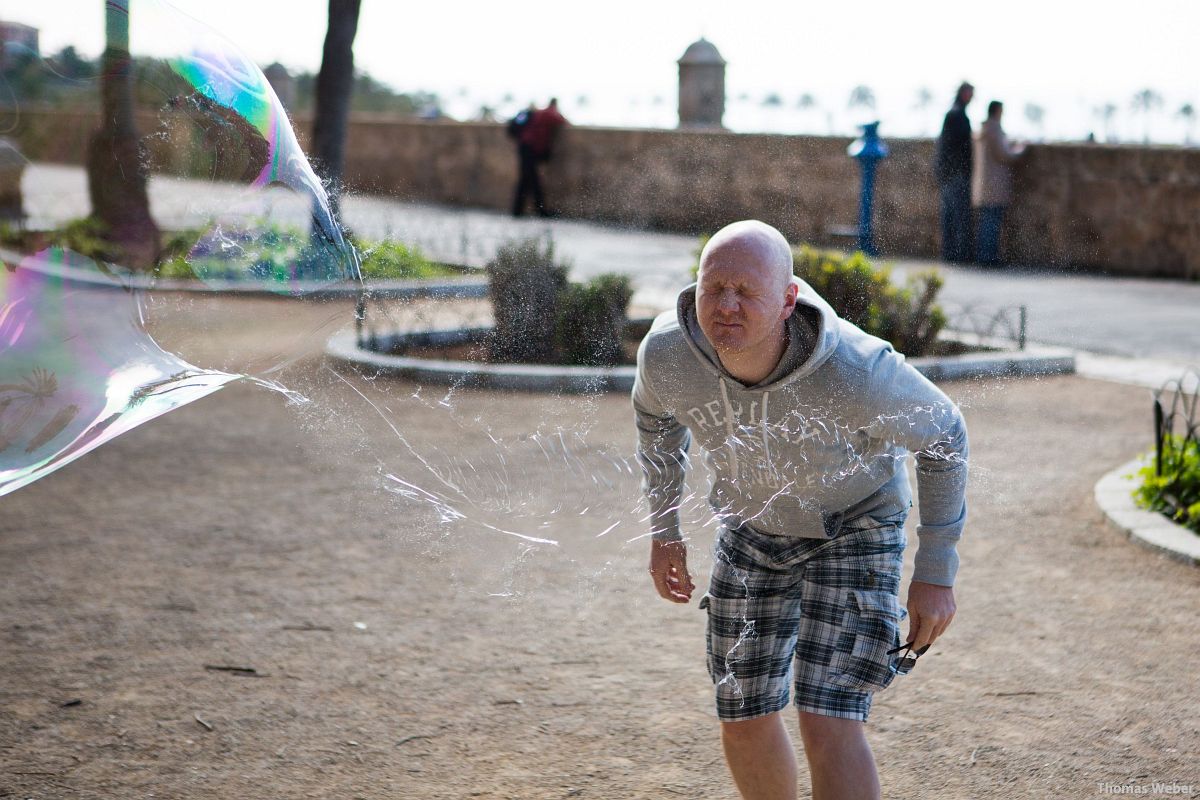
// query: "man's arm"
[[662, 455], [999, 148], [917, 415]]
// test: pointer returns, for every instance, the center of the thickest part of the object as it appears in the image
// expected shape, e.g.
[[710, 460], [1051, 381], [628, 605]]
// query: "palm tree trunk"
[[116, 169], [335, 85]]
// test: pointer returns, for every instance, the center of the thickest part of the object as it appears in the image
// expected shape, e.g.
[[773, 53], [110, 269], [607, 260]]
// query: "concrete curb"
[[583, 380], [1114, 495]]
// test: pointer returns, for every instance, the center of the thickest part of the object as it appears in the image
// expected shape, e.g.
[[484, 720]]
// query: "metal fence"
[[383, 315], [1176, 424], [988, 324]]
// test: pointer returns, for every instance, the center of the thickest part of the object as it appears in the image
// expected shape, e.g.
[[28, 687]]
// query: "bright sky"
[[1020, 49]]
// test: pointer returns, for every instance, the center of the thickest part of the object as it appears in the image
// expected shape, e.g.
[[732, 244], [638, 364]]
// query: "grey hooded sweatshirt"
[[821, 441]]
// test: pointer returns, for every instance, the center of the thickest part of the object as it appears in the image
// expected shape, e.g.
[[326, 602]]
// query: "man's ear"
[[789, 302]]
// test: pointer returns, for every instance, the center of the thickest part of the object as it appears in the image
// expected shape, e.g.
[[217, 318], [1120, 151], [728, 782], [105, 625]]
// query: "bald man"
[[806, 423]]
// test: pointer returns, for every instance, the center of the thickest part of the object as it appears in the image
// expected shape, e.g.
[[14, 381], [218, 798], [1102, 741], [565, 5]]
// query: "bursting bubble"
[[90, 348], [76, 366]]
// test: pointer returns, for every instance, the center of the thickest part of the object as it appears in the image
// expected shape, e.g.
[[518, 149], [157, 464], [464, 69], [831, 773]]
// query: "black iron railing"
[[383, 312], [988, 323], [1176, 425]]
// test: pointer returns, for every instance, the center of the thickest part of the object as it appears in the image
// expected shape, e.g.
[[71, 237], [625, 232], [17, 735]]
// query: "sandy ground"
[[400, 656]]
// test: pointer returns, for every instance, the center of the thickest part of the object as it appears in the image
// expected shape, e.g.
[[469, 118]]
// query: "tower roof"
[[702, 51]]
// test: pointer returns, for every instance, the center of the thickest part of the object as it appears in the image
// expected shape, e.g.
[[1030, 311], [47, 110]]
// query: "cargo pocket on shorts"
[[861, 661]]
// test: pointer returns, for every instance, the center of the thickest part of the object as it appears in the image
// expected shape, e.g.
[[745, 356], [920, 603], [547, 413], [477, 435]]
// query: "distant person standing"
[[953, 168], [991, 185], [535, 144]]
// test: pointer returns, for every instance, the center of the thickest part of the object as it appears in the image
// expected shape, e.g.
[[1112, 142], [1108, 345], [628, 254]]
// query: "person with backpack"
[[535, 131]]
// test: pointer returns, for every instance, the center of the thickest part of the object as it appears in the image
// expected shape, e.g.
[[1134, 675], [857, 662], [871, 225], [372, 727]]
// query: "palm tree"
[[1106, 113], [1036, 116], [924, 100], [1187, 113], [335, 84], [115, 168], [1146, 102], [861, 97], [806, 102]]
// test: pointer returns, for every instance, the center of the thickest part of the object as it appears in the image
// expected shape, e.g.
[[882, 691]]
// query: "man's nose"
[[728, 302]]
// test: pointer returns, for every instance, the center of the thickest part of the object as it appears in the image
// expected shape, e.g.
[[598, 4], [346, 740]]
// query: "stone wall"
[[1122, 209]]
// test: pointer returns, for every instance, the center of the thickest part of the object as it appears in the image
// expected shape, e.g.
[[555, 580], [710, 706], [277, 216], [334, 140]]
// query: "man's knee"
[[821, 730], [750, 730]]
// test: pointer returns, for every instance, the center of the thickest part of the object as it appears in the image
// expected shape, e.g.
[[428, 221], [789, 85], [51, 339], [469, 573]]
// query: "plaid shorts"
[[824, 611]]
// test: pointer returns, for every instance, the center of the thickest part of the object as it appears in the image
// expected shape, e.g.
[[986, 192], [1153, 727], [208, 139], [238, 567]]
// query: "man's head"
[[744, 290], [995, 109], [553, 102], [965, 92]]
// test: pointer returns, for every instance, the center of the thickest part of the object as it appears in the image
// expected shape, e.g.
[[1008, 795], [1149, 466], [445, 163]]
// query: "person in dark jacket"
[[535, 143], [954, 164]]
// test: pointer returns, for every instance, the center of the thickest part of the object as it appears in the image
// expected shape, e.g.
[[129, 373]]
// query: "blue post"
[[868, 149]]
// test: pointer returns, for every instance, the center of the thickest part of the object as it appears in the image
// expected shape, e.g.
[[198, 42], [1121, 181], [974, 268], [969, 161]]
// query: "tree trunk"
[[116, 169], [335, 84]]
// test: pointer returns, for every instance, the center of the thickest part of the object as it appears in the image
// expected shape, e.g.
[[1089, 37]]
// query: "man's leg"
[[947, 221], [840, 761], [991, 218], [851, 620], [539, 200], [527, 167], [760, 757], [753, 613], [964, 235]]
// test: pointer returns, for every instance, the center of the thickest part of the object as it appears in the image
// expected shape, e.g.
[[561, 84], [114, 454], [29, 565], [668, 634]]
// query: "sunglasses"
[[908, 660]]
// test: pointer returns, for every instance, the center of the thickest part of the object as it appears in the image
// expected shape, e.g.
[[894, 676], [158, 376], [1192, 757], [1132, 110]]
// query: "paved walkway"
[[1155, 320]]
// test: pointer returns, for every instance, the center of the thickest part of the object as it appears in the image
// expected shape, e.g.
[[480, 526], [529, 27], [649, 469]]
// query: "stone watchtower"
[[701, 86]]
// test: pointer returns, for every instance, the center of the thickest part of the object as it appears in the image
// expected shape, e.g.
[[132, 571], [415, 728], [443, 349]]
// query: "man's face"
[[740, 303]]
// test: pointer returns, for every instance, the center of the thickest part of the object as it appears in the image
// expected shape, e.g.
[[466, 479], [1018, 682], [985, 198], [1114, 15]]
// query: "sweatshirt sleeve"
[[662, 454], [917, 415]]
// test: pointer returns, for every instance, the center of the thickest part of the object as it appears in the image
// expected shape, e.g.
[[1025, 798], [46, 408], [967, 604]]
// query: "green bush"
[[864, 294], [542, 318], [267, 249], [173, 262], [591, 321], [11, 235], [175, 268], [1176, 492], [389, 260], [524, 284], [85, 236]]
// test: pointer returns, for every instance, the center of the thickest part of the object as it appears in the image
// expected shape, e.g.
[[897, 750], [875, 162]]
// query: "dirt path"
[[398, 656]]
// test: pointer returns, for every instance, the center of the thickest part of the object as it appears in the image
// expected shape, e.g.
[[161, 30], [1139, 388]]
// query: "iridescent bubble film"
[[79, 361], [77, 367]]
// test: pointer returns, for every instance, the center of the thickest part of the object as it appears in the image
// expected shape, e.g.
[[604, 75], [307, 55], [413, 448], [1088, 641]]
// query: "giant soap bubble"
[[89, 348]]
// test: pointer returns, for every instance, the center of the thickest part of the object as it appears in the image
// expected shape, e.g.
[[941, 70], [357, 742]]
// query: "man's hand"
[[668, 567], [930, 609]]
